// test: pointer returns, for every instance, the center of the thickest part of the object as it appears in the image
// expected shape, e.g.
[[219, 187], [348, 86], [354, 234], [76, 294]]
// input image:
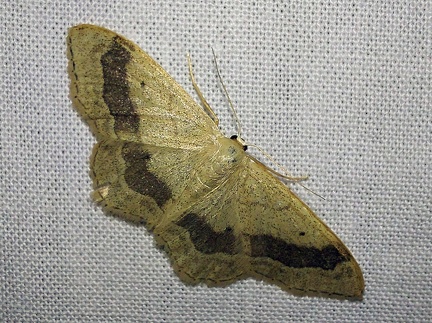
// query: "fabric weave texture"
[[338, 90]]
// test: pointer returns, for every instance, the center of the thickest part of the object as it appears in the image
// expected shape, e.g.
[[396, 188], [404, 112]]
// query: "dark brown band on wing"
[[139, 178], [116, 87], [205, 239], [295, 256]]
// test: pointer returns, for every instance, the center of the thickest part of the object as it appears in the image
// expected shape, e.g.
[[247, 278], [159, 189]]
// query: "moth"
[[161, 160]]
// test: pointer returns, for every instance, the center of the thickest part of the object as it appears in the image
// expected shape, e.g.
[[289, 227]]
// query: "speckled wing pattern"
[[160, 160]]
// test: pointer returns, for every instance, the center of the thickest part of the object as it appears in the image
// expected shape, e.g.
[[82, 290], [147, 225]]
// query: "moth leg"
[[204, 102], [286, 176]]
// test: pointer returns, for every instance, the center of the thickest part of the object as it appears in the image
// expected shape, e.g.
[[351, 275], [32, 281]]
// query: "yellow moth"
[[161, 160]]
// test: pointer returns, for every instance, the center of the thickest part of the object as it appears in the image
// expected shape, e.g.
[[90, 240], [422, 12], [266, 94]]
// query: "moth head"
[[240, 141]]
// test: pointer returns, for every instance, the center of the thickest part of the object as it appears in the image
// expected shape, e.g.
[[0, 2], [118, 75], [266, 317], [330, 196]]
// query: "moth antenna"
[[286, 175], [238, 126], [204, 102]]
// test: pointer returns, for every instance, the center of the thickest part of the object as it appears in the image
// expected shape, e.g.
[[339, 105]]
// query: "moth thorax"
[[229, 155]]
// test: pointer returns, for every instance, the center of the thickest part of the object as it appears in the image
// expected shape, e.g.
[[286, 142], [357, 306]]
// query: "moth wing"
[[124, 94], [253, 225], [145, 183], [289, 245]]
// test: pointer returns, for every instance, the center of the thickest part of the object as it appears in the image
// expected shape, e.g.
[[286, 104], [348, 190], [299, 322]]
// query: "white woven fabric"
[[339, 90]]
